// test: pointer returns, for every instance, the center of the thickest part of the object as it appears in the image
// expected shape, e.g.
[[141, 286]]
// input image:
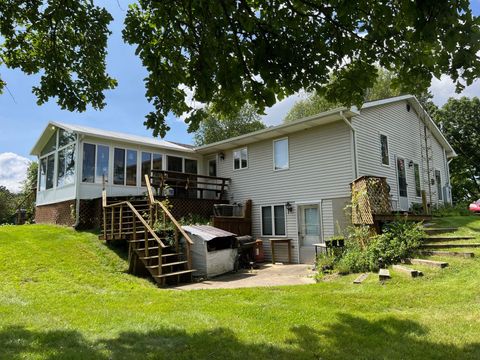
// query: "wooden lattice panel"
[[370, 196]]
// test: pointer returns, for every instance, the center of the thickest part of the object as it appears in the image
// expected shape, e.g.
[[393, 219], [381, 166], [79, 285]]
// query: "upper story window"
[[150, 161], [174, 163], [57, 161], [191, 166], [131, 171], [384, 149], [95, 163], [280, 154], [240, 159]]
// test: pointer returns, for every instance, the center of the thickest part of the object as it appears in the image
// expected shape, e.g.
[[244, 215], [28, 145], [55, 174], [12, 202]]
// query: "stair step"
[[174, 273], [406, 270], [447, 238], [171, 254], [448, 253], [150, 248], [449, 246], [175, 263], [432, 263], [431, 231], [148, 257]]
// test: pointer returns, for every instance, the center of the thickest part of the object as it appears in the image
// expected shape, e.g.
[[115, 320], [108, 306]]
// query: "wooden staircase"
[[153, 236]]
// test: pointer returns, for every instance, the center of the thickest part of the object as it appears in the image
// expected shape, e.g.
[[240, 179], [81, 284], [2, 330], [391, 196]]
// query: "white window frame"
[[111, 153], [151, 163], [125, 165], [274, 232], [288, 153], [55, 161], [388, 149], [233, 158]]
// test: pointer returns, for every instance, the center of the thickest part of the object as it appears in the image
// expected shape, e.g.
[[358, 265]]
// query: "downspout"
[[354, 142]]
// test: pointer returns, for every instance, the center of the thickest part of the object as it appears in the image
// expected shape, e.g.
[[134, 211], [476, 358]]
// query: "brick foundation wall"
[[58, 213]]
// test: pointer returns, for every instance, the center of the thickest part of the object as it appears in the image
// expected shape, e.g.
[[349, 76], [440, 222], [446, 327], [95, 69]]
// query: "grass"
[[65, 295]]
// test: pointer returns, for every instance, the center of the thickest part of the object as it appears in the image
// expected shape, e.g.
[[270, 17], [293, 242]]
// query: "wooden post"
[[120, 222], [112, 227], [424, 202], [134, 224], [146, 240], [104, 204]]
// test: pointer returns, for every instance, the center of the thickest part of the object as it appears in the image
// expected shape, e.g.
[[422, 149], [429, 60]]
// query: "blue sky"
[[22, 120]]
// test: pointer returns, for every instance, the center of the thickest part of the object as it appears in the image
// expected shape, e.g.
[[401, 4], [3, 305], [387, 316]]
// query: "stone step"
[[449, 246], [432, 263], [447, 238], [384, 274], [448, 253], [433, 231], [406, 270], [360, 279]]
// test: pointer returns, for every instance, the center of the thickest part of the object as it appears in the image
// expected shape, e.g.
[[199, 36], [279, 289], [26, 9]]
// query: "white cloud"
[[275, 114], [444, 88], [13, 170]]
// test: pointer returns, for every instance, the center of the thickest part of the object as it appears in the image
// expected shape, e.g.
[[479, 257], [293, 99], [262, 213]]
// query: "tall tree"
[[7, 205], [26, 198], [217, 127], [315, 103], [229, 52], [460, 122]]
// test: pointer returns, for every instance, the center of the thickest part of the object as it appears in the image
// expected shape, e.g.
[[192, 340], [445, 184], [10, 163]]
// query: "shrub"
[[399, 241]]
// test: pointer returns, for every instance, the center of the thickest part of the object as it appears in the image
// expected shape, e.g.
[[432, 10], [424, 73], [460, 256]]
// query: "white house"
[[297, 175]]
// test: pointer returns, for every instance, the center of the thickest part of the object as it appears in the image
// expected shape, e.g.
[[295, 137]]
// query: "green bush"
[[399, 241], [459, 209]]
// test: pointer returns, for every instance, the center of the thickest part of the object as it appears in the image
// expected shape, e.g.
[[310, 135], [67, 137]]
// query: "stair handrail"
[[137, 214], [153, 201]]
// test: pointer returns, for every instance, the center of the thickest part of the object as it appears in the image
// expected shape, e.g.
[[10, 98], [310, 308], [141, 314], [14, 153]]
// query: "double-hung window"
[[240, 159], [280, 154], [384, 149], [273, 220]]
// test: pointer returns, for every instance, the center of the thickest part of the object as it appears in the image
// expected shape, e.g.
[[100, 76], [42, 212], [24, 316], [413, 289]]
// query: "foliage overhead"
[[216, 127], [459, 120], [65, 42], [230, 52]]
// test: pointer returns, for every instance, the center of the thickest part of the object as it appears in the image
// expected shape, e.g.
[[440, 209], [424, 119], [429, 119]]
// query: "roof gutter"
[[354, 143]]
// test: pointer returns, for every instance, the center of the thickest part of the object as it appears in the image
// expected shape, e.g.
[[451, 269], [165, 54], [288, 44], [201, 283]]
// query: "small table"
[[328, 246], [273, 242]]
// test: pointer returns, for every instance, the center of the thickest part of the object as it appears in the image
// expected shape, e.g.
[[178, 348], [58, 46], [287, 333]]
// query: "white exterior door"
[[402, 184], [309, 231]]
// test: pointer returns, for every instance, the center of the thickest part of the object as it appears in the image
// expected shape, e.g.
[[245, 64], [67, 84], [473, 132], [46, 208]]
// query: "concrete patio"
[[266, 275]]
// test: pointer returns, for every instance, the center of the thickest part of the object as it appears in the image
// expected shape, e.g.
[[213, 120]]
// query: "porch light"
[[289, 207], [221, 156], [410, 163]]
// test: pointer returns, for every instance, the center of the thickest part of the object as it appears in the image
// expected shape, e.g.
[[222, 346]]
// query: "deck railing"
[[189, 185]]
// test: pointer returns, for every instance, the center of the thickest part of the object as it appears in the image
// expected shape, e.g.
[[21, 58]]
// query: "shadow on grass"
[[348, 338]]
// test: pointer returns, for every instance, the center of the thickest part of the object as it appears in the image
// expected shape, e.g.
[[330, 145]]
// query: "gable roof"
[[413, 101], [279, 130], [105, 134]]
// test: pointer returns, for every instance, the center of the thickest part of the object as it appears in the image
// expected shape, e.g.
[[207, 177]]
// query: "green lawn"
[[64, 294]]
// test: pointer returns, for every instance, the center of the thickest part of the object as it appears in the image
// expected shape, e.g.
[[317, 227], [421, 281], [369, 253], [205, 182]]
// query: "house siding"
[[320, 169], [405, 132]]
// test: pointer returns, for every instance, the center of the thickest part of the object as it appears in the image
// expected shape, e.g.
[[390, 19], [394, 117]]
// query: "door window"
[[402, 178]]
